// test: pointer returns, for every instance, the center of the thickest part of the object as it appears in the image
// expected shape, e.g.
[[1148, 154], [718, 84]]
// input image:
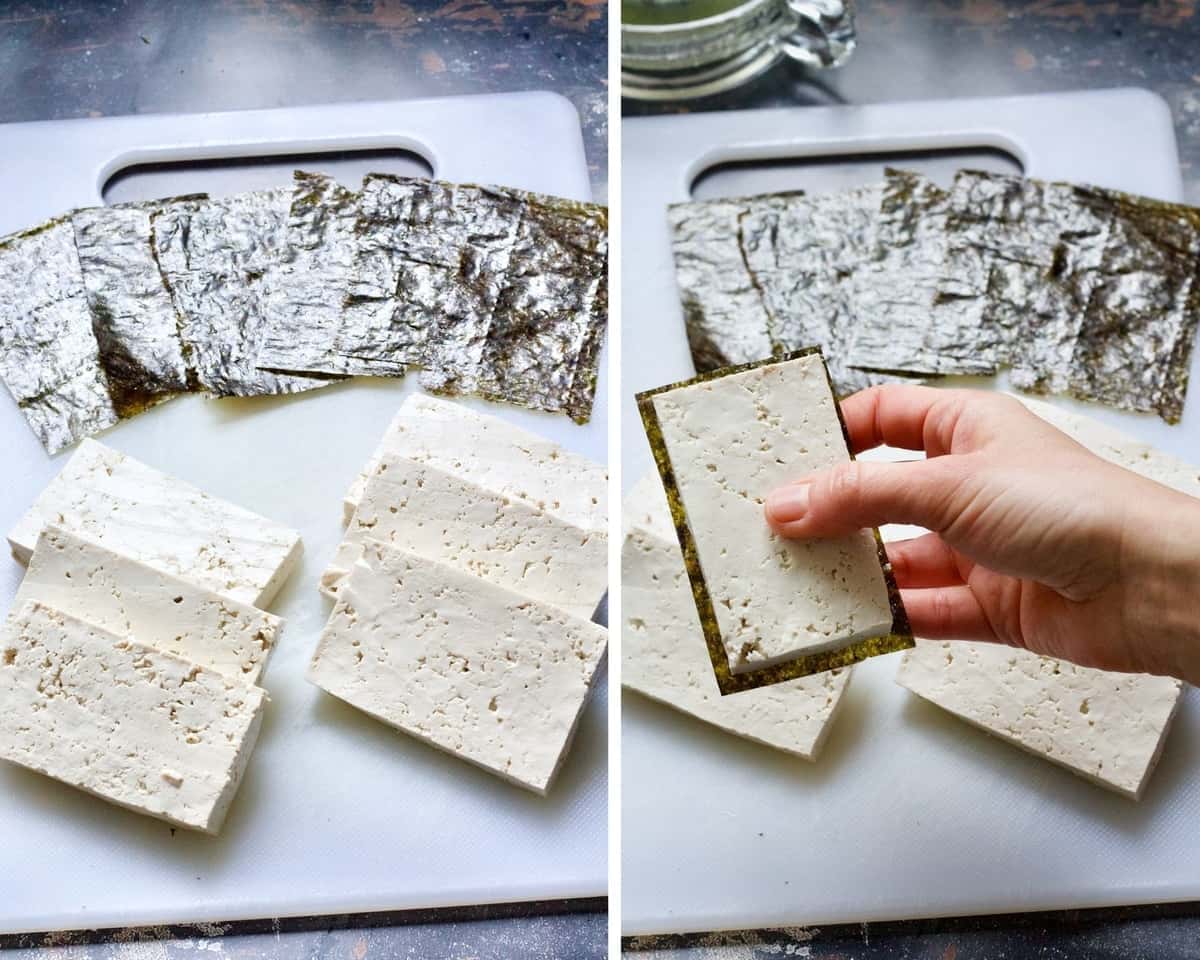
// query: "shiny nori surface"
[[133, 318], [723, 310], [304, 293], [900, 637], [551, 314], [213, 256], [49, 357]]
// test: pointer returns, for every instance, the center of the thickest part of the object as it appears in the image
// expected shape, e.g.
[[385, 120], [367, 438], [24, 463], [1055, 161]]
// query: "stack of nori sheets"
[[488, 291], [1074, 289]]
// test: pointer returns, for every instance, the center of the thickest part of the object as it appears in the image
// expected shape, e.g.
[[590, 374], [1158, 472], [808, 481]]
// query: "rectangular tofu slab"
[[109, 590], [722, 443], [663, 655], [471, 668], [1107, 727], [137, 727], [133, 509], [505, 541], [494, 454]]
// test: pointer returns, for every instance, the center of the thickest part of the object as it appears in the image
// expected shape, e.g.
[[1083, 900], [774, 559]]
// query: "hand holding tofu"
[[1038, 542]]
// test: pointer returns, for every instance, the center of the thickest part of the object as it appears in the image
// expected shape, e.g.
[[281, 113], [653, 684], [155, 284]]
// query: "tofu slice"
[[1107, 727], [502, 540], [663, 655], [489, 676], [494, 454], [135, 510], [140, 728], [731, 440], [117, 593]]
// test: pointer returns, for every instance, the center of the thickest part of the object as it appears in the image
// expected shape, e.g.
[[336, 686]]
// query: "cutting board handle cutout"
[[142, 177], [739, 172]]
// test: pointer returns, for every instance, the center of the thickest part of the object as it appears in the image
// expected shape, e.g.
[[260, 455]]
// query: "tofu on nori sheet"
[[771, 609], [49, 356], [133, 317], [305, 293], [214, 256]]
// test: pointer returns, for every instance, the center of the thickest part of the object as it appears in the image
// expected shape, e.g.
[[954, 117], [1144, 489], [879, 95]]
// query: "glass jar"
[[673, 49]]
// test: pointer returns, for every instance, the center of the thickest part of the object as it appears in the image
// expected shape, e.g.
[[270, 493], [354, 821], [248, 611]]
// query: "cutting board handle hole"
[[223, 176], [739, 176]]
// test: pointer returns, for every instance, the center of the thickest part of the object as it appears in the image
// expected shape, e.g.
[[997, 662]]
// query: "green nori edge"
[[900, 637]]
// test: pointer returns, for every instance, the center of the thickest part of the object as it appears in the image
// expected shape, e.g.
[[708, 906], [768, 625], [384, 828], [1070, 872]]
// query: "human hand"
[[1036, 542]]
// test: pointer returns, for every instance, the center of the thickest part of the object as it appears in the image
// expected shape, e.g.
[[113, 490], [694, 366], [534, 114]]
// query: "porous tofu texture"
[[663, 656], [487, 675], [140, 728], [733, 439], [502, 540], [117, 593], [1108, 727], [128, 507], [496, 455]]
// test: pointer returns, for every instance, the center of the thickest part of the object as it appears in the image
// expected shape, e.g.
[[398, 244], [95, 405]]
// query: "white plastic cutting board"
[[908, 812], [337, 812]]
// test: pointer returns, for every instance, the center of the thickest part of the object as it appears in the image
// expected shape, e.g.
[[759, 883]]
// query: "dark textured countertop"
[[62, 59], [916, 50]]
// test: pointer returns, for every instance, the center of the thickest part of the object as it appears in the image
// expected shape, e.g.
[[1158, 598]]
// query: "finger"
[[897, 415], [947, 613], [924, 562], [859, 494]]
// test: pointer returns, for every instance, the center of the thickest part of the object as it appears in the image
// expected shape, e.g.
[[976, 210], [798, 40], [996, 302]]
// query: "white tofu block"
[[731, 441], [502, 540], [663, 655], [1038, 702], [128, 598], [121, 504], [140, 728], [478, 671], [496, 455], [1108, 727]]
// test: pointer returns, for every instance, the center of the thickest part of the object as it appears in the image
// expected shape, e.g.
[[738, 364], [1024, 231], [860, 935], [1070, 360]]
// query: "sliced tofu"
[[494, 454], [731, 440], [132, 509], [140, 728], [487, 675], [502, 540], [663, 655], [117, 593], [1108, 727]]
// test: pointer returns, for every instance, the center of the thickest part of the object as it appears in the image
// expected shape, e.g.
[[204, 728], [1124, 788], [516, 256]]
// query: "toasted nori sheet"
[[213, 256], [305, 292], [133, 318], [49, 358], [917, 304], [548, 324], [723, 310], [900, 637]]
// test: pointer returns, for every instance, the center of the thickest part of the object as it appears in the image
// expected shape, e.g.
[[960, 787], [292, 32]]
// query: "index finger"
[[902, 415]]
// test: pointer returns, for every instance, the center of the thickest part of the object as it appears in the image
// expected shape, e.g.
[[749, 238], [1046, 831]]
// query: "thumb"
[[861, 494]]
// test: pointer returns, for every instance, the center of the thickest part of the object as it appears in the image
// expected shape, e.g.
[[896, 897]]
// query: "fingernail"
[[788, 504]]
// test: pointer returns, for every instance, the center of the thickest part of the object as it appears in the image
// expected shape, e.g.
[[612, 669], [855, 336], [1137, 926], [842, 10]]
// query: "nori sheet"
[[900, 637], [304, 293], [723, 310], [548, 323], [133, 317], [49, 357], [213, 256]]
